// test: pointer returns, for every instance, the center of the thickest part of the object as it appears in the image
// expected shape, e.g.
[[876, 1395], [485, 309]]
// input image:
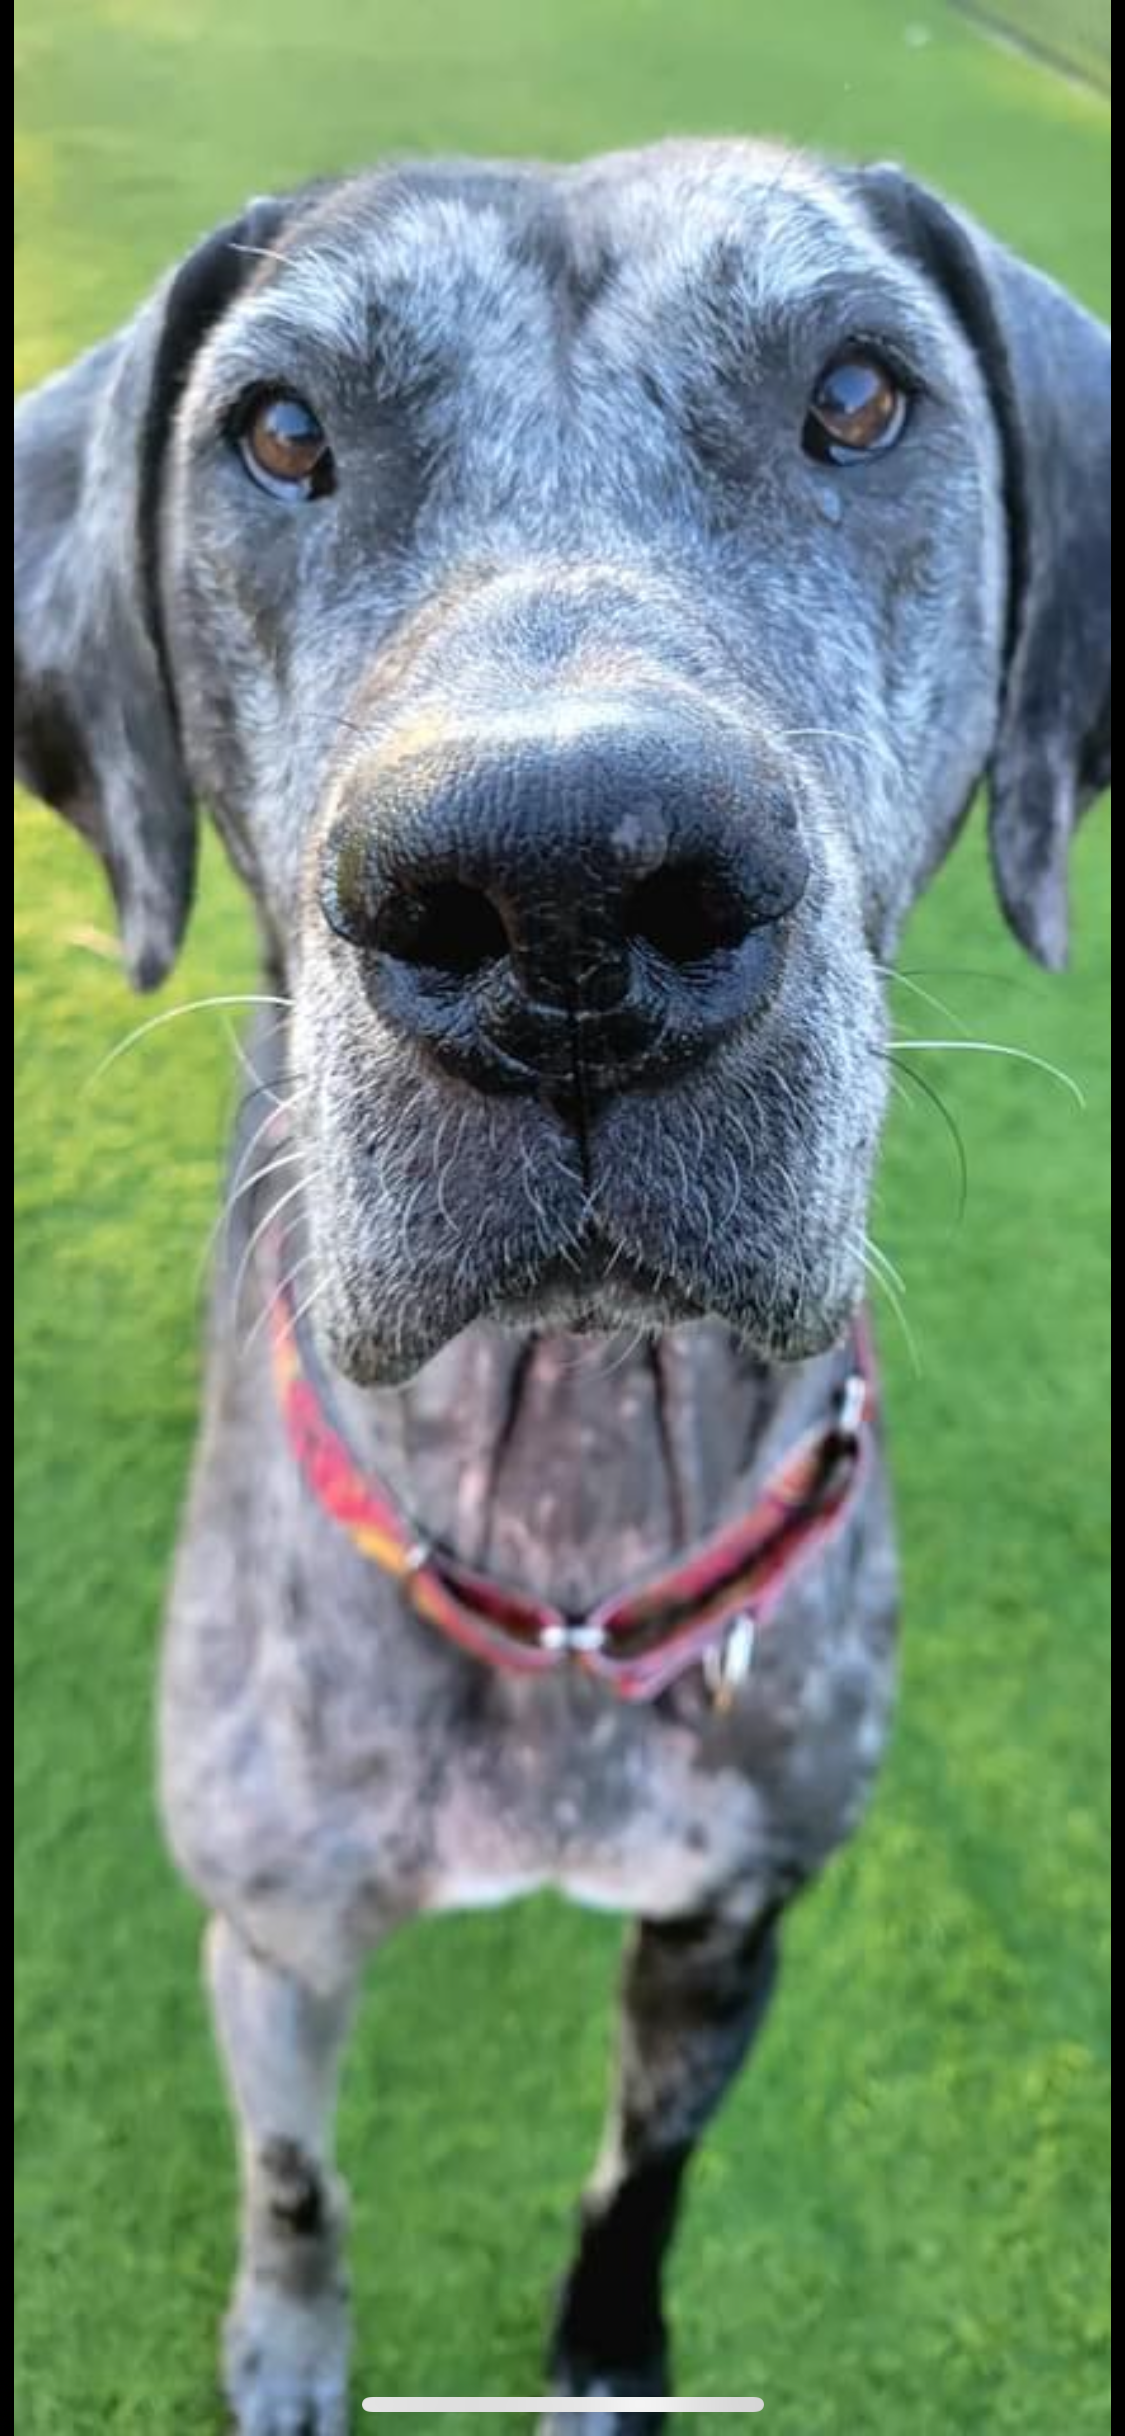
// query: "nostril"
[[448, 928], [684, 913]]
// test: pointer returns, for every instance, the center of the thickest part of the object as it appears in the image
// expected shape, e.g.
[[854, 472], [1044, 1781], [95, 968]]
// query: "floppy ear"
[[1046, 366], [96, 731]]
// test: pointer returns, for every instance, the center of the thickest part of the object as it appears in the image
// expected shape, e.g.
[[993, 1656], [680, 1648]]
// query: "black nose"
[[580, 906]]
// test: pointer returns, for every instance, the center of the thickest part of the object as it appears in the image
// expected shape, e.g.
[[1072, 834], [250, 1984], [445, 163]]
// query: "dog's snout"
[[588, 906]]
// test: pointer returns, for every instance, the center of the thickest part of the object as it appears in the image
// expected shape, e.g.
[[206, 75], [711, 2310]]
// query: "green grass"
[[898, 2228]]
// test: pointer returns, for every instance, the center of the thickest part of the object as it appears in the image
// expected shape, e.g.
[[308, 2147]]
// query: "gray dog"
[[588, 600]]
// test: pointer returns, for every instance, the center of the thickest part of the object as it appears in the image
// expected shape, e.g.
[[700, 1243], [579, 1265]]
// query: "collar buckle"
[[852, 1407], [571, 1640]]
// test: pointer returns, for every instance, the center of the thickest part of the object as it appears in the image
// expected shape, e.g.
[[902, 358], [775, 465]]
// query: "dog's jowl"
[[587, 600]]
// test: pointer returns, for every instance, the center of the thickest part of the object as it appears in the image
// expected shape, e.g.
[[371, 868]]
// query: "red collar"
[[705, 1610]]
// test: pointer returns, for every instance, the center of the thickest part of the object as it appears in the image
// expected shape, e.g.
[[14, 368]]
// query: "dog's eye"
[[282, 445], [859, 409]]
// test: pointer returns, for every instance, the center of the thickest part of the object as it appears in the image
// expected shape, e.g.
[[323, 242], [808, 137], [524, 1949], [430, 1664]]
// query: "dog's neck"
[[572, 1467]]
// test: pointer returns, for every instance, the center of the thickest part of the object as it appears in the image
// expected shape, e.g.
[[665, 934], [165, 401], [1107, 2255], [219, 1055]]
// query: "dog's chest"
[[322, 1784], [613, 1810]]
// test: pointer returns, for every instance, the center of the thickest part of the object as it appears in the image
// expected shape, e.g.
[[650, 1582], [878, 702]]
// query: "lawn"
[[898, 2229]]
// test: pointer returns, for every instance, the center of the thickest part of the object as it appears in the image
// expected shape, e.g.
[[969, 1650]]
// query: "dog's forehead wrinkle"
[[490, 259]]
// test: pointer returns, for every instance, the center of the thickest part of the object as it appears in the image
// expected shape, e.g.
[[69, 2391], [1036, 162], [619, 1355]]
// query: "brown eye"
[[283, 447], [859, 409]]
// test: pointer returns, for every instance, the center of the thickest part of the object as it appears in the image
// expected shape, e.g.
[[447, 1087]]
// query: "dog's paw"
[[607, 2422], [285, 2363], [602, 2423]]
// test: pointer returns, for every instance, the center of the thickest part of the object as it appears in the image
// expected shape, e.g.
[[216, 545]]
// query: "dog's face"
[[588, 600]]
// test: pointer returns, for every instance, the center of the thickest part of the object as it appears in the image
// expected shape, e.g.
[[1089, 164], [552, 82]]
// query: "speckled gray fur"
[[565, 408]]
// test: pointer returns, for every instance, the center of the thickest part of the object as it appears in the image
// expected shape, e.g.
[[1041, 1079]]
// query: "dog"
[[588, 601]]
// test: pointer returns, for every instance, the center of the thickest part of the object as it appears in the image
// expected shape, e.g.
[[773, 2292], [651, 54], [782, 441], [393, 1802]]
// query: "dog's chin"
[[584, 1298], [627, 1306], [596, 1291]]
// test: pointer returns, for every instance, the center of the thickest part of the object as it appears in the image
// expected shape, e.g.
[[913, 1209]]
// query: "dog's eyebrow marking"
[[313, 298], [430, 275], [436, 256]]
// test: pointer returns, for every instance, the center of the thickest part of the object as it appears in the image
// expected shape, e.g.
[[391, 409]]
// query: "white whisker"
[[1000, 1048], [262, 253], [272, 1301], [285, 1158], [876, 1253], [890, 972], [274, 1211], [445, 1166], [192, 1006], [244, 1059], [895, 1300], [303, 1309], [237, 1187], [631, 1347]]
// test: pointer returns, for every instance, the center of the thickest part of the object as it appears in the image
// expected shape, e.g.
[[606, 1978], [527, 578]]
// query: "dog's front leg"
[[286, 2337], [695, 1994]]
